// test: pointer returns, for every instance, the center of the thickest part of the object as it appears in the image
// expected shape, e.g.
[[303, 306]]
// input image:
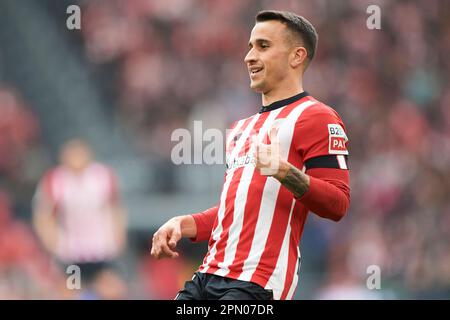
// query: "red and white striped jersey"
[[82, 203], [255, 230]]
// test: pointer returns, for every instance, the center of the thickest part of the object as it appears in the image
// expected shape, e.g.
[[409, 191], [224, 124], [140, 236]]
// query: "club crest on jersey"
[[337, 139]]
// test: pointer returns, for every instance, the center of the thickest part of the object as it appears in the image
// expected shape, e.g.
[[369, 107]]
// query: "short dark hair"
[[295, 23]]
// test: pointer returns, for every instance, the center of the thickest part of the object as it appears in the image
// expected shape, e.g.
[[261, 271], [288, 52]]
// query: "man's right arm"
[[197, 227], [45, 225], [43, 219], [204, 222]]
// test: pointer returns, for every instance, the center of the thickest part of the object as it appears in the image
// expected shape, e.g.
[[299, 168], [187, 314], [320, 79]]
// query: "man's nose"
[[250, 57]]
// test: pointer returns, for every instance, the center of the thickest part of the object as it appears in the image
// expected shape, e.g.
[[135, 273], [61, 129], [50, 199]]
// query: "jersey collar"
[[284, 102]]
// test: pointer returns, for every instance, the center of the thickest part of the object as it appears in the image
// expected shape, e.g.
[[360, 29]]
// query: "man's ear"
[[298, 56]]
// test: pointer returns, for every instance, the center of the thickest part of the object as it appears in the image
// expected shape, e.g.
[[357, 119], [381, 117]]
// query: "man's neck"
[[277, 95]]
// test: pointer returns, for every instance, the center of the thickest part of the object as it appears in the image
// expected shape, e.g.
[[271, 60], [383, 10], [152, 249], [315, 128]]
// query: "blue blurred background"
[[138, 69]]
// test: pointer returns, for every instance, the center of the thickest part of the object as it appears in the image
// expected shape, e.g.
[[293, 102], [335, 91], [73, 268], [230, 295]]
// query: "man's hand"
[[166, 238], [268, 159], [268, 162]]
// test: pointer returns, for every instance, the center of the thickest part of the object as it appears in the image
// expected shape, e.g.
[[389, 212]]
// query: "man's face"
[[268, 57], [76, 156]]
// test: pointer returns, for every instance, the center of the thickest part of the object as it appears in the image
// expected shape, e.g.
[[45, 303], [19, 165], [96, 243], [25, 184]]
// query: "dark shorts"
[[205, 286]]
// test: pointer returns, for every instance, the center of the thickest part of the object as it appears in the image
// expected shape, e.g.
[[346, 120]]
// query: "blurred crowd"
[[176, 61], [25, 269]]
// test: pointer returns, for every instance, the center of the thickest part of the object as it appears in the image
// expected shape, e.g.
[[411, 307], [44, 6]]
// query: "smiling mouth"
[[255, 71]]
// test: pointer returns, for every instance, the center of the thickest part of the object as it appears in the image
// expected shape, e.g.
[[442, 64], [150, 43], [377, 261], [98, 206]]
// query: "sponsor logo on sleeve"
[[337, 139]]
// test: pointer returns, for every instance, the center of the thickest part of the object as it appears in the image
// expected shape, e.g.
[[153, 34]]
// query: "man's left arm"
[[324, 186], [324, 191]]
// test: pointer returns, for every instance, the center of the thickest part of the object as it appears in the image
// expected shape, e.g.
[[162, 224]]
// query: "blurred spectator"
[[20, 141], [26, 272], [18, 132], [80, 221]]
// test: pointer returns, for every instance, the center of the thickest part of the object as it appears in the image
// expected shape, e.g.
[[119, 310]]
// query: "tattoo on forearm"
[[296, 181]]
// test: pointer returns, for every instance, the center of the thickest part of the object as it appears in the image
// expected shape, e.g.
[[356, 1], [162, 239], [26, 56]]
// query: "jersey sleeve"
[[328, 194], [204, 222], [321, 139], [322, 142]]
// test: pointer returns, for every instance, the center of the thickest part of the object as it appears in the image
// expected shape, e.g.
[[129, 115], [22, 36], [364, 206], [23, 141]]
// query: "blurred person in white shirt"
[[80, 220]]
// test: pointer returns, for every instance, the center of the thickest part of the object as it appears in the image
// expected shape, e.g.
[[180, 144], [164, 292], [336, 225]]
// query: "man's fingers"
[[154, 245], [155, 252], [159, 239], [165, 250], [255, 145], [165, 240], [273, 135], [176, 236], [254, 140], [161, 250]]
